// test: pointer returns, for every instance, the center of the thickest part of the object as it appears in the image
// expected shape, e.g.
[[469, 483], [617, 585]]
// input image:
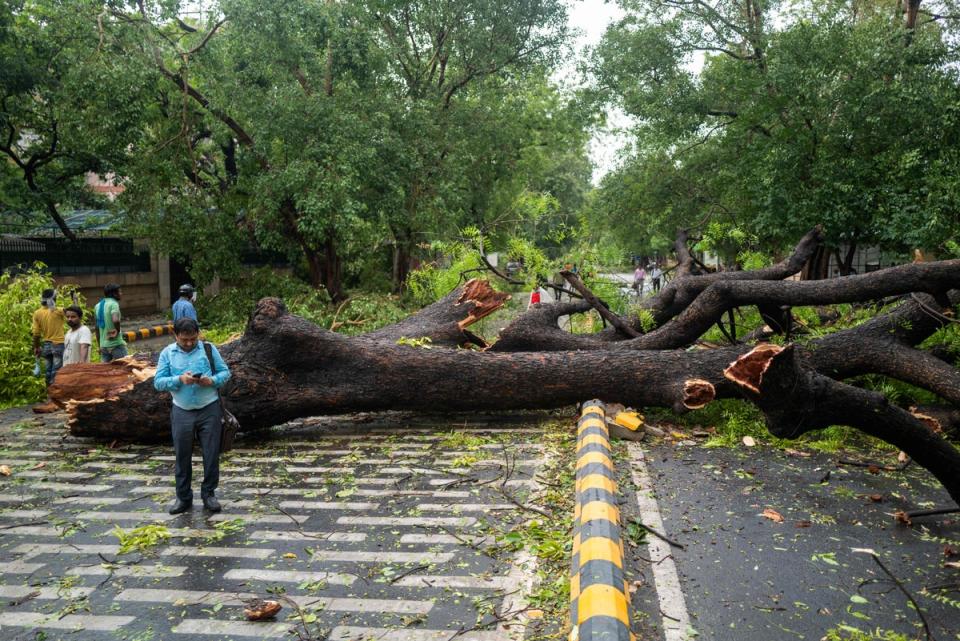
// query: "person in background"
[[639, 275], [48, 333], [655, 275], [77, 341], [184, 308], [534, 296], [185, 371], [112, 345]]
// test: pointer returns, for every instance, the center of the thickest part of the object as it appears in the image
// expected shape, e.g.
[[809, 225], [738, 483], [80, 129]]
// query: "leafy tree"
[[68, 106], [837, 114]]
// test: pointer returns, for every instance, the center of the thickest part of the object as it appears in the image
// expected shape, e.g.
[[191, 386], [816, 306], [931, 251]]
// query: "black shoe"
[[211, 503], [179, 506]]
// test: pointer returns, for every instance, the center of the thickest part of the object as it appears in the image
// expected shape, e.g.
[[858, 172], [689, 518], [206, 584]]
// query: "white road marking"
[[222, 552], [416, 521], [70, 622], [466, 582], [354, 633], [367, 556], [18, 591], [287, 576], [257, 629], [294, 535], [129, 570], [327, 505], [676, 620]]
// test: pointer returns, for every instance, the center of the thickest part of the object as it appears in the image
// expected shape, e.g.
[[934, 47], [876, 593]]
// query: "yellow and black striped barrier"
[[148, 332], [598, 589]]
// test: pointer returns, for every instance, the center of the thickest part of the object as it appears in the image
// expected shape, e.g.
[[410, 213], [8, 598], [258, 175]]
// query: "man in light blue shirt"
[[184, 308], [185, 371]]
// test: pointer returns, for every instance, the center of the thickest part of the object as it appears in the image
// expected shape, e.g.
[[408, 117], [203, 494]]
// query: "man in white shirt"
[[76, 342]]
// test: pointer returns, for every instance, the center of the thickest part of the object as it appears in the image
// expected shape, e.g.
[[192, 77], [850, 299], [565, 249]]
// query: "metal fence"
[[64, 257]]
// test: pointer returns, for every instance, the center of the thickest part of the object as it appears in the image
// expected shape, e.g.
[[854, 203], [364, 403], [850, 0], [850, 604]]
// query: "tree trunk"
[[285, 367], [333, 269]]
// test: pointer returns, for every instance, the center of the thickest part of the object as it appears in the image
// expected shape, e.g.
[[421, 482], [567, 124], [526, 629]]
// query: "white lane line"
[[293, 535], [130, 570], [425, 521], [100, 623], [327, 505], [256, 629], [319, 470], [366, 556], [466, 582], [352, 633], [673, 607], [287, 576], [223, 552], [18, 591]]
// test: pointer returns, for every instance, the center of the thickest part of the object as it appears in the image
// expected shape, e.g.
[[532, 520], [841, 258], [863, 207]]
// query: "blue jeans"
[[53, 354], [108, 354], [204, 425]]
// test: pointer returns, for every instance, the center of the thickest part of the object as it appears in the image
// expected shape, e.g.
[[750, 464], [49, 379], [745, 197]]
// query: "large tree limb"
[[709, 306], [796, 400], [599, 305]]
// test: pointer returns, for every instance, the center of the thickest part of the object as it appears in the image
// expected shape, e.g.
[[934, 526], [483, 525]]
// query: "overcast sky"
[[591, 18]]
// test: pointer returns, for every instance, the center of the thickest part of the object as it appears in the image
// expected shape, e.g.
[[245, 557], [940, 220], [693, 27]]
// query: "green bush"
[[226, 313], [19, 298]]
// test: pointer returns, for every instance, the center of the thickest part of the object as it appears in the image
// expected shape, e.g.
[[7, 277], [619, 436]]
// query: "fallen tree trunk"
[[285, 367]]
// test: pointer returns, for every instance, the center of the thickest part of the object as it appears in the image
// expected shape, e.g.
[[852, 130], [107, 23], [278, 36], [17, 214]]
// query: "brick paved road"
[[379, 534]]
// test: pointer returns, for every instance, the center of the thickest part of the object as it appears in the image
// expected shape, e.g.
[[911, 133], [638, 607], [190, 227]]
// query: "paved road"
[[363, 532], [746, 577]]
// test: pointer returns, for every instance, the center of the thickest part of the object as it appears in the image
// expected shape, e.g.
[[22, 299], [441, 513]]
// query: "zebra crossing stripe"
[[598, 591], [100, 623], [129, 570], [296, 535], [339, 604], [255, 629], [229, 553], [287, 576], [414, 521], [49, 593], [352, 633], [366, 556]]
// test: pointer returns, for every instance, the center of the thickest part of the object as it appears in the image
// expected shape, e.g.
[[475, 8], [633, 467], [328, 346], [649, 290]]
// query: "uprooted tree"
[[285, 367]]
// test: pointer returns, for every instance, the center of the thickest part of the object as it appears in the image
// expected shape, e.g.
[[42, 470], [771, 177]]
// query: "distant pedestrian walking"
[[184, 308], [112, 345], [193, 376], [639, 275], [48, 333], [655, 275]]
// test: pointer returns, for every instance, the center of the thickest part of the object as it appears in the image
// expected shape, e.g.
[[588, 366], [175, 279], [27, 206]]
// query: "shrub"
[[19, 298]]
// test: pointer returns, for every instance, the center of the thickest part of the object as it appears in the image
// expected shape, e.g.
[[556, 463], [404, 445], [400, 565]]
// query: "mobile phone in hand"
[[198, 376]]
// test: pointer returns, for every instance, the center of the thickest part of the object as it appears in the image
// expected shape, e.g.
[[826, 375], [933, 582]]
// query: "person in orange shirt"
[[48, 333]]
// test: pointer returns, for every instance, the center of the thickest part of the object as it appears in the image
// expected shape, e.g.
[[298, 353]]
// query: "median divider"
[[148, 332], [599, 605]]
